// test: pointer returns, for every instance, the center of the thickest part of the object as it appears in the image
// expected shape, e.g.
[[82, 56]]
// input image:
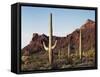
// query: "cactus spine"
[[49, 49], [80, 45]]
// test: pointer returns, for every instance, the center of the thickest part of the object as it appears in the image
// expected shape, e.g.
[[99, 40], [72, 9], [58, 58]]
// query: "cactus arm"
[[54, 45], [46, 48], [50, 47]]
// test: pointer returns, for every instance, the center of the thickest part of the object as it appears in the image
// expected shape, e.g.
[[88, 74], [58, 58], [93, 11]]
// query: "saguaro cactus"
[[80, 44], [68, 50], [59, 54], [49, 49], [68, 47]]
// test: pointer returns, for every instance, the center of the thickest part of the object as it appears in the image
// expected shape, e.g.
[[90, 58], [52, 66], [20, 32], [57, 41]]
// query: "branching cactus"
[[50, 48], [80, 45]]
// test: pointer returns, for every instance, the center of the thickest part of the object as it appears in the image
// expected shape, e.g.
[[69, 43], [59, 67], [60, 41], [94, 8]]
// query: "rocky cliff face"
[[88, 40]]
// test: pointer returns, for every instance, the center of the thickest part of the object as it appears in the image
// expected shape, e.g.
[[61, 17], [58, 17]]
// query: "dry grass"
[[60, 61]]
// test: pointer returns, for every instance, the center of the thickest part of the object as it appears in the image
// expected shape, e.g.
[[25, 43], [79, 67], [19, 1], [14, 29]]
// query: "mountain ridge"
[[88, 37]]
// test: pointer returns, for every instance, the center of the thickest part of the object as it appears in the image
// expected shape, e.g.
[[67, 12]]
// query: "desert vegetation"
[[61, 60], [51, 52]]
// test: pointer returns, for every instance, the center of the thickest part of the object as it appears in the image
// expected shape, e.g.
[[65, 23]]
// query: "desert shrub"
[[25, 59], [89, 54]]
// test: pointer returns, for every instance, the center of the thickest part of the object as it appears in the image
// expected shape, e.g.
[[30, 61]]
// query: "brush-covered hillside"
[[35, 57]]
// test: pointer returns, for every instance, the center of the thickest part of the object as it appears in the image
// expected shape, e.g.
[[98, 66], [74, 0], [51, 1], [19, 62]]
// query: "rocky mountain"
[[88, 40]]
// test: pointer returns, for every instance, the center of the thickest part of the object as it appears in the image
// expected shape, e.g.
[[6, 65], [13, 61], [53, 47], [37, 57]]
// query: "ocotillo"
[[49, 49], [80, 45]]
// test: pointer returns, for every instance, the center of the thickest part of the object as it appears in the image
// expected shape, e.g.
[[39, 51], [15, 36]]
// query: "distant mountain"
[[88, 40]]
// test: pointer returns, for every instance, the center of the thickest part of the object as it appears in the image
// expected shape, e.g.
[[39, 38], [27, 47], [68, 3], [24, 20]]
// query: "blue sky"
[[65, 21]]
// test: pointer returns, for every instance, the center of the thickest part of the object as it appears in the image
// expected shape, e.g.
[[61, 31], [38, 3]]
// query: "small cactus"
[[49, 49]]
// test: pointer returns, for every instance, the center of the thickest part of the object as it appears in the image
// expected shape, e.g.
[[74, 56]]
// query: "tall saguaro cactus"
[[80, 45], [49, 49], [68, 47]]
